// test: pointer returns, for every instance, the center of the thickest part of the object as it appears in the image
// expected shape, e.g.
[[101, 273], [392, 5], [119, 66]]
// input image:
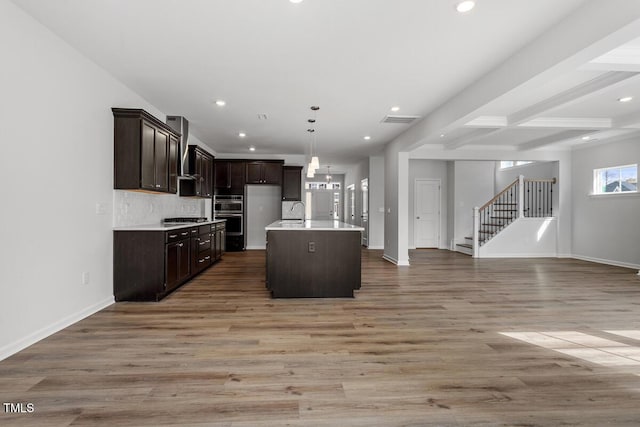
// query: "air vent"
[[404, 120], [262, 116]]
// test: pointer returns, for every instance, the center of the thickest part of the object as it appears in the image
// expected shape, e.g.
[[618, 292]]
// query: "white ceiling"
[[353, 58]]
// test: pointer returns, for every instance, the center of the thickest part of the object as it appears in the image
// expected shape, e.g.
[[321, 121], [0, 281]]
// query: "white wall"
[[605, 228], [376, 202], [474, 186], [263, 205], [56, 165], [524, 238], [396, 198], [535, 170], [428, 169]]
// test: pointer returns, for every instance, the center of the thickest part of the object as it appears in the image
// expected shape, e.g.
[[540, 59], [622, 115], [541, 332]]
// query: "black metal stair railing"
[[530, 198], [538, 197]]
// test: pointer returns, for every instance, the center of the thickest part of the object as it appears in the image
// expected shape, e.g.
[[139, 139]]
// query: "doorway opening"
[[322, 200]]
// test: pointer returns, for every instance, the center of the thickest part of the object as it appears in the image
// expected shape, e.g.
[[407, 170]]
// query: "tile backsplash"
[[135, 208], [296, 213]]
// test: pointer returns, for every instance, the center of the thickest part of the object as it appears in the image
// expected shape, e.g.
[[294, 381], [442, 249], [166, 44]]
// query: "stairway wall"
[[525, 237], [474, 186]]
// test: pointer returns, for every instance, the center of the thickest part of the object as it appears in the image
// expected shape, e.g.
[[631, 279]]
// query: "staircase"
[[523, 198]]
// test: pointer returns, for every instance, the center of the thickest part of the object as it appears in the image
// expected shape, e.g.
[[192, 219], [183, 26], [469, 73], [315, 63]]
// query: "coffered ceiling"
[[270, 60]]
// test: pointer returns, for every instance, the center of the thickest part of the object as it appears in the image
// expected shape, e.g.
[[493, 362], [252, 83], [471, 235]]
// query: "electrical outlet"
[[312, 246], [85, 278]]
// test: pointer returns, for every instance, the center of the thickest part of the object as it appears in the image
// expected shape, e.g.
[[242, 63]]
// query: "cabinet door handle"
[[200, 261], [157, 185], [185, 233], [207, 257], [181, 244], [173, 236]]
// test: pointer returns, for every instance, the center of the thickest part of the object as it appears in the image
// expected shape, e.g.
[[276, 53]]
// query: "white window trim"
[[619, 193]]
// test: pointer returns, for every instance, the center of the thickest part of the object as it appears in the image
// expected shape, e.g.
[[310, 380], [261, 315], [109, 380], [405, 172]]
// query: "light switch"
[[101, 208]]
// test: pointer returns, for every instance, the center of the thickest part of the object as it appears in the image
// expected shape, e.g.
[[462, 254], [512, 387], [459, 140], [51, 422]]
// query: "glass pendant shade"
[[315, 162]]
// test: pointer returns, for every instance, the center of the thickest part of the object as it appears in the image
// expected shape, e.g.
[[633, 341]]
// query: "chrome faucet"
[[304, 208]]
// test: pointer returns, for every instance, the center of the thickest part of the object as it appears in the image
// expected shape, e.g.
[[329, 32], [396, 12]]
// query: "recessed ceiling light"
[[465, 6], [367, 138], [242, 134], [586, 138], [252, 148], [394, 109], [625, 99], [442, 135], [295, 1], [220, 103]]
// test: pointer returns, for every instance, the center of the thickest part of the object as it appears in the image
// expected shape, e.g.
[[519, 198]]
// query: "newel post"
[[521, 196], [476, 232]]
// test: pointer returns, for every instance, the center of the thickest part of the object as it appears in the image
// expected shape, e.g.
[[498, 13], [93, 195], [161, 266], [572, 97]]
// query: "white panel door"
[[427, 213]]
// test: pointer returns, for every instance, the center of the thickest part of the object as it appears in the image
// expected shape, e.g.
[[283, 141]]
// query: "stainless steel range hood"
[[181, 125]]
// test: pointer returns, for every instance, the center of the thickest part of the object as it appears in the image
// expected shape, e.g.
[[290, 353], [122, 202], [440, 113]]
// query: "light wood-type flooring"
[[417, 346]]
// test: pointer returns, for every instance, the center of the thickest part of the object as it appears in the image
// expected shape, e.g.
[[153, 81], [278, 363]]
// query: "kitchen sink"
[[291, 221]]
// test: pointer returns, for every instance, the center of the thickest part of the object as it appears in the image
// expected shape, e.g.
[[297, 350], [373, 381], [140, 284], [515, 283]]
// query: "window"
[[513, 163], [322, 186], [618, 179]]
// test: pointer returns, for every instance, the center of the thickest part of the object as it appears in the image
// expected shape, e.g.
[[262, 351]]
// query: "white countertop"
[[166, 226], [312, 225]]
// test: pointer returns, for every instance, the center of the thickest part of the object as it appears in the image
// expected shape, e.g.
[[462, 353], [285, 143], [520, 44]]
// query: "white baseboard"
[[14, 347], [395, 261], [255, 248], [377, 248], [608, 262], [535, 255]]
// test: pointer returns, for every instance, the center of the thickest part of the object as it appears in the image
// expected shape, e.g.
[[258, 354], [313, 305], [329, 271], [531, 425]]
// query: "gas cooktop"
[[187, 219]]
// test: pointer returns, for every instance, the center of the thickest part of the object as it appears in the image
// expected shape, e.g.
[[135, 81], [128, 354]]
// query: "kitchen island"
[[313, 259]]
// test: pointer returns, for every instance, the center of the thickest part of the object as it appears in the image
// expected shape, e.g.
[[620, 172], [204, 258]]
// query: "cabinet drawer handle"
[[173, 236], [200, 261], [207, 257], [185, 233], [157, 185], [181, 244]]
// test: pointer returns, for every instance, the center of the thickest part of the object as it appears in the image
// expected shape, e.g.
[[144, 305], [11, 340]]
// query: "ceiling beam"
[[487, 122], [559, 50], [467, 139], [589, 88], [569, 122], [552, 139]]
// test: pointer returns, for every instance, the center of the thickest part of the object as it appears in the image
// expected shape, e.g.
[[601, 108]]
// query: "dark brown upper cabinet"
[[264, 172], [292, 183], [200, 165], [145, 152], [229, 177]]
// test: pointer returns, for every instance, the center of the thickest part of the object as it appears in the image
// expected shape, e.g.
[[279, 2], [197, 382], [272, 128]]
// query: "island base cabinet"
[[313, 264]]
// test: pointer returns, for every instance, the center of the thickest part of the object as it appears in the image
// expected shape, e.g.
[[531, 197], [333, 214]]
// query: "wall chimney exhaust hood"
[[181, 125]]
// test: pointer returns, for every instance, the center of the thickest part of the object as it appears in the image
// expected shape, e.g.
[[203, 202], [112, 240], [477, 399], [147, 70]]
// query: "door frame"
[[364, 211], [415, 208]]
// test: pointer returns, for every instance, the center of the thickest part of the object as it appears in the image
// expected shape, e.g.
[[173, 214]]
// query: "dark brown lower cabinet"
[[178, 263], [148, 265]]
